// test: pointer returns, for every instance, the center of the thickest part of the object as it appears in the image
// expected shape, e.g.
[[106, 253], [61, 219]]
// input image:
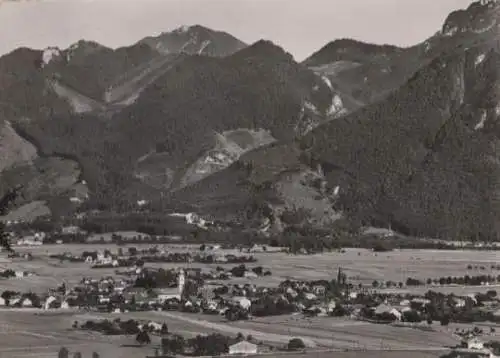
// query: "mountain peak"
[[264, 48], [192, 28], [194, 39], [85, 44], [478, 18], [348, 49]]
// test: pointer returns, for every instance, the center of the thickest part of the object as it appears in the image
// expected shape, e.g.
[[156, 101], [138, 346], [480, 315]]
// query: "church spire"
[[181, 280]]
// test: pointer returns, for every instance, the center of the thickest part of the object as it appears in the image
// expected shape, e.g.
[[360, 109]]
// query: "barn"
[[243, 347]]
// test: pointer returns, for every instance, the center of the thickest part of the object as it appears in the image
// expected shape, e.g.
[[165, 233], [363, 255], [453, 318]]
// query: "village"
[[125, 285]]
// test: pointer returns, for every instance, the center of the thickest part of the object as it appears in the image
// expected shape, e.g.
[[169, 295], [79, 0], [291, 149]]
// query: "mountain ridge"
[[359, 131]]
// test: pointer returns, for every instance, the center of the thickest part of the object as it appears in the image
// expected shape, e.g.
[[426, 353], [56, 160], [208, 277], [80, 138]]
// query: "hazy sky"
[[300, 26]]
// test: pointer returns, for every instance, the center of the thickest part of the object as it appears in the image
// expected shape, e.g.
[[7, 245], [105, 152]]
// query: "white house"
[[2, 302], [162, 297], [40, 236], [459, 302], [155, 325], [404, 303], [103, 299], [472, 297], [257, 248], [250, 274], [244, 302], [65, 305], [396, 314], [29, 241], [383, 308], [71, 230], [310, 296], [221, 258], [212, 305], [243, 347], [319, 290], [290, 291], [422, 301], [475, 344], [331, 306]]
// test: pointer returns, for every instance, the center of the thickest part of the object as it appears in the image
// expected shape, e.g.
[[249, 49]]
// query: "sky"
[[299, 26]]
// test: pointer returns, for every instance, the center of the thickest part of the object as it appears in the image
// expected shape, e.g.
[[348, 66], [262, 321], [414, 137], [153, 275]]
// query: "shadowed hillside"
[[423, 159], [178, 116]]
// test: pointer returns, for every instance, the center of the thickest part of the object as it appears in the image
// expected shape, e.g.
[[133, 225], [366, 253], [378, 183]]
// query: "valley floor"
[[26, 334], [35, 333]]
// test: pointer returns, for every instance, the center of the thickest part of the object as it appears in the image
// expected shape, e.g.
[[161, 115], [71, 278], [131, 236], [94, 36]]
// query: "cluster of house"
[[25, 237], [193, 219], [320, 298], [33, 239], [153, 255], [120, 295], [311, 298], [431, 306], [106, 258], [475, 348], [17, 299], [15, 273], [90, 292]]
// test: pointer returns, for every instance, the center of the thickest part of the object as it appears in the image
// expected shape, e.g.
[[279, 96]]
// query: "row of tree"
[[458, 280], [64, 353]]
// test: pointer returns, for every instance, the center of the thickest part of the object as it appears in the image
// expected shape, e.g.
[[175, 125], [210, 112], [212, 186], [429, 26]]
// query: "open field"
[[365, 266], [322, 332], [26, 333], [49, 274], [361, 266]]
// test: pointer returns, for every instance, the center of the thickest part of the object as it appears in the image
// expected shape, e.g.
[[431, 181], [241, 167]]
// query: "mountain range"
[[195, 120]]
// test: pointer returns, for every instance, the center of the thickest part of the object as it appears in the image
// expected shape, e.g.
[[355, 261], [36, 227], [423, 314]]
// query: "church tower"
[[181, 282]]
